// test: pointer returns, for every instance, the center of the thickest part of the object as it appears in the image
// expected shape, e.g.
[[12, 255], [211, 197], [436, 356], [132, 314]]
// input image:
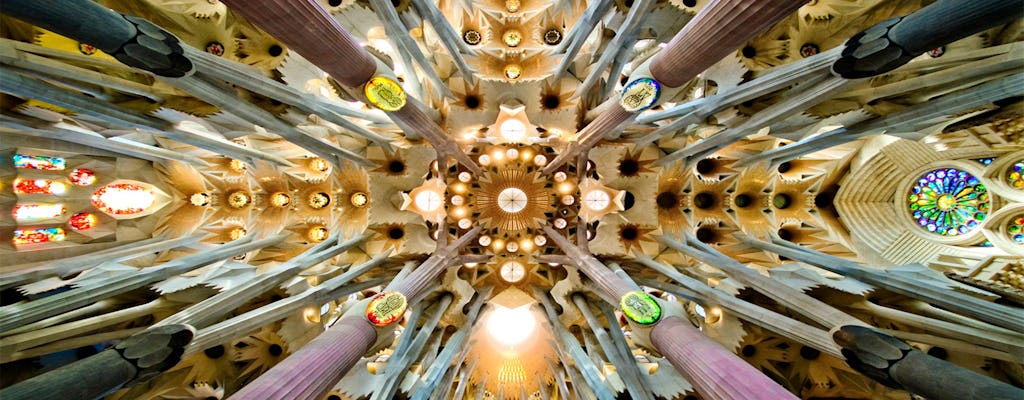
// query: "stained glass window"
[[1014, 177], [949, 202], [38, 186], [986, 160], [1016, 229], [123, 199], [36, 212], [28, 161], [82, 176], [40, 235], [82, 221]]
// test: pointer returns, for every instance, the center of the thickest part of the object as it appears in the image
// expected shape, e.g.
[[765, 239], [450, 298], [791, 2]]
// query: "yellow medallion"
[[385, 94]]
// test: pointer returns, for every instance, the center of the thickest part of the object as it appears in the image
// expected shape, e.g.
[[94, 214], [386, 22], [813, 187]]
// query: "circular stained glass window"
[[1015, 176], [948, 202], [1016, 229]]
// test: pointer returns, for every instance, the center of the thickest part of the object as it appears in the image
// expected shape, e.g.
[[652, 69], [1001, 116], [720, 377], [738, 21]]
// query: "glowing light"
[[458, 201], [36, 212], [199, 199], [497, 155], [511, 326], [512, 38], [540, 240], [513, 71], [512, 247], [318, 164], [428, 200], [465, 177], [385, 94], [237, 166], [238, 233], [459, 188], [560, 176], [38, 186], [280, 199], [484, 240], [123, 199], [239, 199], [568, 199], [512, 154], [465, 223], [540, 160], [513, 271], [82, 176], [512, 200], [359, 199], [513, 130], [317, 233], [512, 5], [28, 161], [596, 200], [82, 221], [484, 159], [318, 200], [560, 223], [40, 235]]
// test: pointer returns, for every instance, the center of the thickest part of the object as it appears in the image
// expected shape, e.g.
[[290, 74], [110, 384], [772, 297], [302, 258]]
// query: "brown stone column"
[[716, 373], [719, 29], [305, 27], [311, 372], [297, 22]]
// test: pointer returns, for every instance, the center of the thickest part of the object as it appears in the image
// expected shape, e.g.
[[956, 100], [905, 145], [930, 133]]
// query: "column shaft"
[[719, 29], [716, 373], [297, 22], [310, 372]]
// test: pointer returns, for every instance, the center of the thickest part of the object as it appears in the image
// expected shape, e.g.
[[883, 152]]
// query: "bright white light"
[[513, 271], [428, 200], [596, 200], [511, 326], [512, 200], [513, 130]]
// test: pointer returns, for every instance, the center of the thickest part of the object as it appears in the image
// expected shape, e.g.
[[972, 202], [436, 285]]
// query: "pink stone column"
[[592, 134], [715, 372], [311, 372], [304, 26], [719, 29]]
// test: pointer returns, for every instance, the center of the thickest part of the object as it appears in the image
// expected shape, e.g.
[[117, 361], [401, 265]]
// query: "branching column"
[[311, 372], [713, 370], [309, 30], [719, 29]]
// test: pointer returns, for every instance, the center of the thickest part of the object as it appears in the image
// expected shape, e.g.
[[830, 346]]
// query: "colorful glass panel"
[[1014, 176], [640, 307], [386, 308], [82, 221], [949, 202], [45, 163], [37, 212], [82, 176], [1016, 229], [986, 160], [123, 199], [40, 235], [38, 186]]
